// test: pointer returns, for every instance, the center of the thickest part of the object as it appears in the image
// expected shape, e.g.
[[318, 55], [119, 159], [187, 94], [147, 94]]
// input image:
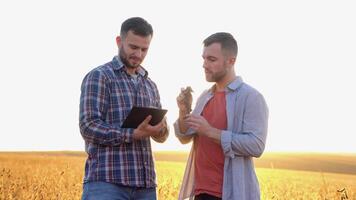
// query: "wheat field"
[[59, 176]]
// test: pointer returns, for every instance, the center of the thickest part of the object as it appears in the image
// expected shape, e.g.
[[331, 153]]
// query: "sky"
[[299, 54]]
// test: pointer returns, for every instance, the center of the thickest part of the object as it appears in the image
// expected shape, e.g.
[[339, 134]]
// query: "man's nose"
[[138, 53], [205, 65]]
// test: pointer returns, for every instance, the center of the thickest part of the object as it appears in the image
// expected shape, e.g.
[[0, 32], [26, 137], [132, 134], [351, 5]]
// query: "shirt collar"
[[234, 85], [118, 65]]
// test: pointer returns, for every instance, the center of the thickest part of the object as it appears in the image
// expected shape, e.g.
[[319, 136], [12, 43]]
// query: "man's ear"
[[118, 41], [232, 61]]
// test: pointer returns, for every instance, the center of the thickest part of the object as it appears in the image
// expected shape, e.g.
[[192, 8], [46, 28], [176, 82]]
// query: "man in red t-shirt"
[[209, 160], [228, 127]]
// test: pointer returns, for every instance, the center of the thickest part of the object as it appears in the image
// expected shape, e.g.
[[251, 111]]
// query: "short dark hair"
[[137, 25], [227, 41]]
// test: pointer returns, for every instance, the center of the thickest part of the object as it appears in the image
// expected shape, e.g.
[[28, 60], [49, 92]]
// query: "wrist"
[[136, 134], [182, 114], [214, 133]]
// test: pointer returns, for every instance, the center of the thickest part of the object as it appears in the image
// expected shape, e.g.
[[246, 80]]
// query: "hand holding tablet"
[[138, 114]]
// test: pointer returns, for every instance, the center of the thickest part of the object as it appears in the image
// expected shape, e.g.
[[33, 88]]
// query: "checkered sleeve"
[[93, 109]]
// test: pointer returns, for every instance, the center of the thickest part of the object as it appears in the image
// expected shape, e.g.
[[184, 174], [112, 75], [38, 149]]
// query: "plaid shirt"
[[108, 93]]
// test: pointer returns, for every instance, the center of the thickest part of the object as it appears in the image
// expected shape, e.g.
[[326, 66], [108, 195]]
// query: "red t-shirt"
[[209, 160]]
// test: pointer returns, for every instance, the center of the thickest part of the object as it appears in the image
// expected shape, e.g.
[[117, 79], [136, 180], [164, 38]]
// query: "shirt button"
[[145, 163]]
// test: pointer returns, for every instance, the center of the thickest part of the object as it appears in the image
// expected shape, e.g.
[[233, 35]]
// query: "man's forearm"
[[162, 136], [182, 125], [215, 134]]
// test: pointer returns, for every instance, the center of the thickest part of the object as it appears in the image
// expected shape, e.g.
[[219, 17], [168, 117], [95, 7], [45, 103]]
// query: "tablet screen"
[[138, 114]]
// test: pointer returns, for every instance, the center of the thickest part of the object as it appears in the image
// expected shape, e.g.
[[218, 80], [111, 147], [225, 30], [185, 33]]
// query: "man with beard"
[[120, 163], [228, 127]]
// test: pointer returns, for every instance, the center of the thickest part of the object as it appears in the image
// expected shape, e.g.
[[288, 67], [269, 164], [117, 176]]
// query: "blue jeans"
[[109, 191]]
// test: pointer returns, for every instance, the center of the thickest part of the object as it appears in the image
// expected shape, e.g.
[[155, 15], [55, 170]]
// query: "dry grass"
[[40, 177], [59, 176], [290, 184]]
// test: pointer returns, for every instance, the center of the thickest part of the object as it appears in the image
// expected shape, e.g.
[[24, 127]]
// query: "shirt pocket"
[[150, 97]]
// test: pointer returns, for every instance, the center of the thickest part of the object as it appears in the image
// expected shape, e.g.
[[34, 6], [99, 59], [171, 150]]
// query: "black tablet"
[[138, 114]]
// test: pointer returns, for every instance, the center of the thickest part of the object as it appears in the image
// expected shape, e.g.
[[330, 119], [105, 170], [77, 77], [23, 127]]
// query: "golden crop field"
[[59, 175]]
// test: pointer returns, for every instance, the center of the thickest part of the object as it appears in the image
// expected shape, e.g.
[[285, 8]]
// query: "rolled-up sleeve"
[[93, 109], [184, 138], [251, 140]]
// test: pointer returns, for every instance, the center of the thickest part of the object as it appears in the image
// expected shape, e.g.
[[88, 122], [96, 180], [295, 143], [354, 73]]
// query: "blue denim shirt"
[[245, 138]]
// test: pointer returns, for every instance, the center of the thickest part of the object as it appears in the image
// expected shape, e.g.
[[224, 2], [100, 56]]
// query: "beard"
[[125, 59], [216, 76]]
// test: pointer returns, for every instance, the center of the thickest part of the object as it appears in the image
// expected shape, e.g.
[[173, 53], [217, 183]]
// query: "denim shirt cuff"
[[226, 139], [177, 131]]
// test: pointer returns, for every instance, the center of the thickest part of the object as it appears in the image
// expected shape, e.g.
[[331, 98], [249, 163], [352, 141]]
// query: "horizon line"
[[185, 151]]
